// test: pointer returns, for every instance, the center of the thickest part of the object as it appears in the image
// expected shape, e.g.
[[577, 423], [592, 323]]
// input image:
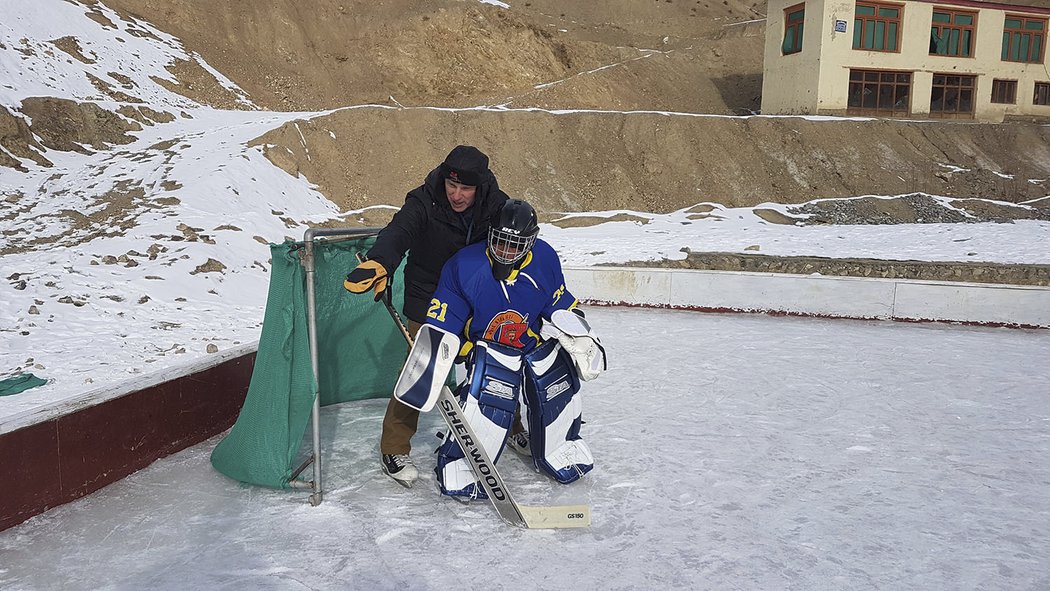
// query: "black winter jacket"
[[428, 229]]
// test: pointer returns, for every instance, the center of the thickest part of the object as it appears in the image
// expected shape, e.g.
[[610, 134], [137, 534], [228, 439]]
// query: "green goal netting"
[[360, 353]]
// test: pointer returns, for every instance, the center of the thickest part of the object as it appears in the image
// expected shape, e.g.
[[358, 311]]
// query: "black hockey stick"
[[544, 517]]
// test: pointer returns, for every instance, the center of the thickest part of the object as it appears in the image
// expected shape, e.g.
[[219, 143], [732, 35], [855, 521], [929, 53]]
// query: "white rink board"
[[639, 287], [994, 304], [814, 295], [794, 294]]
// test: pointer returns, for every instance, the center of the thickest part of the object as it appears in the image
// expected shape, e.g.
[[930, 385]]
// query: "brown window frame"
[[967, 32], [1004, 92], [866, 84], [862, 23], [1042, 92], [796, 35], [960, 91], [1010, 36]]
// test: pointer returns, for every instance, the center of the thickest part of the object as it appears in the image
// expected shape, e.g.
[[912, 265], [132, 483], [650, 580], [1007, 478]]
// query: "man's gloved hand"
[[367, 275]]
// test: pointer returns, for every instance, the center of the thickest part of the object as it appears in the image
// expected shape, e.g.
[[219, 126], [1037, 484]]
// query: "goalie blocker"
[[431, 358]]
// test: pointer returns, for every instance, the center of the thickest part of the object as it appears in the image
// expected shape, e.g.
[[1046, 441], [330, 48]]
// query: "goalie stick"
[[533, 517]]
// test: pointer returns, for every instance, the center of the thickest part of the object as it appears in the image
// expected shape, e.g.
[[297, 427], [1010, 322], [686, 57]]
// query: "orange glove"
[[367, 275]]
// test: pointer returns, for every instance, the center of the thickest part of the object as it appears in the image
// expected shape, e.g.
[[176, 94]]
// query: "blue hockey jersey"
[[470, 302]]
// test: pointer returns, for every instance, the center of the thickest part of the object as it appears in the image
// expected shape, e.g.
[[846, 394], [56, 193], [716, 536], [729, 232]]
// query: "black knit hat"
[[465, 164]]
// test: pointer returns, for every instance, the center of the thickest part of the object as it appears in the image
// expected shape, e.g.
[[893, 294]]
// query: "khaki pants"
[[400, 422]]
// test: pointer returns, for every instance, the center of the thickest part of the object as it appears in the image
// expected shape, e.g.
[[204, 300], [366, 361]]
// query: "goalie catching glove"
[[577, 337], [367, 275]]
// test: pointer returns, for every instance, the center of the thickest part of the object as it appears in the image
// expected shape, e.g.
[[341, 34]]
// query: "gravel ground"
[[917, 208]]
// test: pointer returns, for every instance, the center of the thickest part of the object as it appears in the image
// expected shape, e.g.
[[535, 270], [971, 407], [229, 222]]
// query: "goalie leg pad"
[[431, 358], [554, 410], [488, 400]]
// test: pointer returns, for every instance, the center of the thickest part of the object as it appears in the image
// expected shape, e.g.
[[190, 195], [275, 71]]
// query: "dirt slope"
[[291, 55], [659, 163]]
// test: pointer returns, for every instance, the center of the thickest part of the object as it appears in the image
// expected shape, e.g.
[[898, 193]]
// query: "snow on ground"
[[32, 64], [733, 452], [85, 308], [670, 236]]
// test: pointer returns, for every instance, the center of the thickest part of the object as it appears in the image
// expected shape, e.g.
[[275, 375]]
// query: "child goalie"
[[503, 304]]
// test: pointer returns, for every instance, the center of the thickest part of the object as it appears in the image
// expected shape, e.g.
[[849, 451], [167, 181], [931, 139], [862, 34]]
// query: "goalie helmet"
[[511, 236]]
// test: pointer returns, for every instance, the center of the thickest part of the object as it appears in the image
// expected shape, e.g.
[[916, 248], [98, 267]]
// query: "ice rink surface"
[[733, 452]]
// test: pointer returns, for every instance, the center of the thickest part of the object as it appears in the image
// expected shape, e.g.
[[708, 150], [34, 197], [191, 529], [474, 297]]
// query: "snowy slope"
[[90, 298], [32, 65]]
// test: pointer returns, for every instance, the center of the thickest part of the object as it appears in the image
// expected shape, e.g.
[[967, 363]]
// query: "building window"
[[1023, 39], [952, 96], [1042, 93], [952, 33], [877, 27], [874, 92], [1004, 91], [794, 19]]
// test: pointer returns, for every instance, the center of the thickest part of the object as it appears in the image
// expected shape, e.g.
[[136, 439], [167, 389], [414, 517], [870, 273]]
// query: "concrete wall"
[[814, 295]]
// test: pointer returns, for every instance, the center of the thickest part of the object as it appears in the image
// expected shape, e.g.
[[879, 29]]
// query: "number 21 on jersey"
[[433, 310]]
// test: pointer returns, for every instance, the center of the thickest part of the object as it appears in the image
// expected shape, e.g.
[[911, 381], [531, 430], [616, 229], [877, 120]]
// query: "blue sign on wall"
[[840, 26]]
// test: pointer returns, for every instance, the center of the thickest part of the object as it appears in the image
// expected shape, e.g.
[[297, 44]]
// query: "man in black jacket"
[[451, 209]]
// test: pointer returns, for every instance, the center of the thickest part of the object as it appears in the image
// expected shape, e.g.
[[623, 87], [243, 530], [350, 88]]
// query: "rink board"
[[814, 295], [78, 447]]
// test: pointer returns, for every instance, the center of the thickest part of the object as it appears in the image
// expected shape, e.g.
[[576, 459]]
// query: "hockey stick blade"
[[564, 516]]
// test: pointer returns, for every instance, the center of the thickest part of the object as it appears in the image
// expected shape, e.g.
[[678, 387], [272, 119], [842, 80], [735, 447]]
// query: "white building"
[[969, 59]]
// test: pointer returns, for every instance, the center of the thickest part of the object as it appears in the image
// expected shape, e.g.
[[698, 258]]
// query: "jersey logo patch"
[[507, 328]]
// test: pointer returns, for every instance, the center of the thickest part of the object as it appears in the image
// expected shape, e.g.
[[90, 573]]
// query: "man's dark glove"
[[367, 275]]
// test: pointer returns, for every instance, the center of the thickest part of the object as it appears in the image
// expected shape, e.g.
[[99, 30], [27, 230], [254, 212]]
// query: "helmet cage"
[[508, 246]]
